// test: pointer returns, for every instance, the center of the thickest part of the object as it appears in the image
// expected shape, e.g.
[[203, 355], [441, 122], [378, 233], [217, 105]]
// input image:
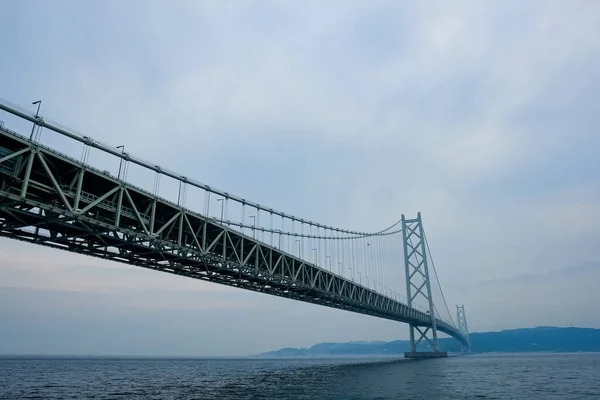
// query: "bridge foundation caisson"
[[425, 354], [418, 284]]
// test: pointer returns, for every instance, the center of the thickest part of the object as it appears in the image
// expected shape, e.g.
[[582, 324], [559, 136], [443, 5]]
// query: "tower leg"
[[461, 318], [418, 286]]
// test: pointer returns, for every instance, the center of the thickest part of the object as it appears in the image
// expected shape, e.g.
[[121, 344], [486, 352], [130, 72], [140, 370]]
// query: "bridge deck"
[[50, 199]]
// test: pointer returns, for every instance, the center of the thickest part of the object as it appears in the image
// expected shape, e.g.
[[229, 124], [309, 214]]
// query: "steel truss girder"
[[53, 200]]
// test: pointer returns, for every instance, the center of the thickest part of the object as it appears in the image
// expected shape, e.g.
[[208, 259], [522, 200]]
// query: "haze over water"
[[506, 376]]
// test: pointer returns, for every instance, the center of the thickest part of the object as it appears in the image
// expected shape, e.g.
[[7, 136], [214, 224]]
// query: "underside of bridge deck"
[[52, 200]]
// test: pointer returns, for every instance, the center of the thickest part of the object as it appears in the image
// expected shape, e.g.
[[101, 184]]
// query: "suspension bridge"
[[60, 200]]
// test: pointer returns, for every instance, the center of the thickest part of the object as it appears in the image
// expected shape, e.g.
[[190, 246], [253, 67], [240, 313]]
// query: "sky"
[[482, 115]]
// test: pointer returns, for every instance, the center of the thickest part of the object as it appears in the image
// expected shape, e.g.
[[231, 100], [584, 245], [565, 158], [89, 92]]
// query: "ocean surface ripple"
[[507, 376]]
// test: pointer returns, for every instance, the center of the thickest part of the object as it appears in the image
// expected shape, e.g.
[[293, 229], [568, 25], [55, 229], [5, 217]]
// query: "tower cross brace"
[[418, 285]]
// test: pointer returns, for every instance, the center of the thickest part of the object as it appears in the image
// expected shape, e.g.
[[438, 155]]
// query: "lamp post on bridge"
[[316, 257], [328, 257], [352, 275], [341, 268], [222, 200], [122, 147], [298, 241], [39, 103]]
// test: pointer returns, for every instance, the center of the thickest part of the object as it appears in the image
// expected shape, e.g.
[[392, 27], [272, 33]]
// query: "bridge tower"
[[463, 328], [418, 285]]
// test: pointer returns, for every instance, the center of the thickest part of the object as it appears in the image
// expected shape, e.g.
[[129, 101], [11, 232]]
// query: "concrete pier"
[[425, 354]]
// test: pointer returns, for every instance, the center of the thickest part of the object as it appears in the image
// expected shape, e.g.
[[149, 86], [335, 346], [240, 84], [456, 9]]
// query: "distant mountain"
[[540, 339]]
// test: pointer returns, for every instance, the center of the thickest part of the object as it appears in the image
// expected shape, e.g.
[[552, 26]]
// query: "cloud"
[[571, 272], [482, 116], [59, 270]]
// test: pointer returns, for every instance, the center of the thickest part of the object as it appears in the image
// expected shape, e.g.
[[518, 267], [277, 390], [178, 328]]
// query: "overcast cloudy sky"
[[483, 115]]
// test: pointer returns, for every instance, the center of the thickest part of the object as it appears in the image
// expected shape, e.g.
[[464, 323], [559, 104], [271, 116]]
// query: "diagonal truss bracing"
[[52, 200]]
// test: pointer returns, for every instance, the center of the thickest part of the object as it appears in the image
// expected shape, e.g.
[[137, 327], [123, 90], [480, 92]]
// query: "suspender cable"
[[437, 279]]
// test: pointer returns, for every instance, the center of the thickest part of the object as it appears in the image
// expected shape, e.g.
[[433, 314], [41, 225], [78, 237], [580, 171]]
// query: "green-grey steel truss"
[[50, 199]]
